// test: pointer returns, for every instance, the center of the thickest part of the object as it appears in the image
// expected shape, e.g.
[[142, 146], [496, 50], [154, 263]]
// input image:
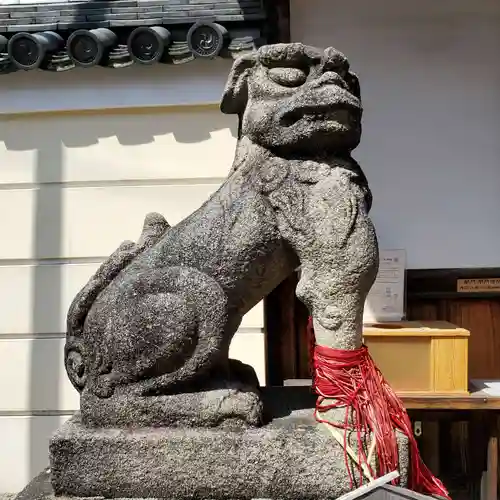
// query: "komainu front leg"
[[339, 268], [353, 406]]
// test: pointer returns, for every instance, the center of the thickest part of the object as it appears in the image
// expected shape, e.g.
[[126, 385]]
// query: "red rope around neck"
[[350, 379]]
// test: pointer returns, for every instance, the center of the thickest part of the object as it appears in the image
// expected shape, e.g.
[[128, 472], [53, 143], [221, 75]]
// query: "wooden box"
[[420, 357]]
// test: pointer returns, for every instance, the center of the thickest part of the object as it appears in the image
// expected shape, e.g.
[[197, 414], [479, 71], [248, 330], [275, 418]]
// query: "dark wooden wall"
[[432, 294], [278, 14]]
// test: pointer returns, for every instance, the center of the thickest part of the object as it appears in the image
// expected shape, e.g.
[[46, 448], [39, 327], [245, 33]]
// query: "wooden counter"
[[477, 400]]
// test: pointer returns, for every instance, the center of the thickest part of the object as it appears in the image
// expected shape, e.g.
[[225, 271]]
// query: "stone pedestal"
[[291, 457]]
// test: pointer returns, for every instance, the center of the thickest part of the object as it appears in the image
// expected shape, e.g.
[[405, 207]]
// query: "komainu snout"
[[295, 99]]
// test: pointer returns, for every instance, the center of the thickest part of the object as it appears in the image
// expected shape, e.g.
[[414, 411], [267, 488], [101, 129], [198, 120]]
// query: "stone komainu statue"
[[148, 337]]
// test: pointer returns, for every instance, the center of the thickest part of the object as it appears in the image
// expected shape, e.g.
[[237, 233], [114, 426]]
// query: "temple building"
[[110, 110]]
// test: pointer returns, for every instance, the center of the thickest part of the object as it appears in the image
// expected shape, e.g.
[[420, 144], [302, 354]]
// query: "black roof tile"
[[177, 16]]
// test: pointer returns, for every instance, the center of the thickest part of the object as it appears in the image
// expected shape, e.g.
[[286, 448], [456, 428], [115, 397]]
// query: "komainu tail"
[[75, 356]]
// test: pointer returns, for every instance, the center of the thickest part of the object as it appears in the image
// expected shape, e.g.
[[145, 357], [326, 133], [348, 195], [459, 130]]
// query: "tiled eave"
[[38, 36], [118, 13], [178, 53]]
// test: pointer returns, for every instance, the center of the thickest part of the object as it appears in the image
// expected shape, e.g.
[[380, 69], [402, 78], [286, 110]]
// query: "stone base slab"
[[40, 488], [292, 457]]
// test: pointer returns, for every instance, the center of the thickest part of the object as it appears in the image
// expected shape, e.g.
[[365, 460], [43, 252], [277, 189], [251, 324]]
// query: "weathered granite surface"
[[226, 399], [164, 411], [158, 317], [41, 489], [289, 458], [279, 460]]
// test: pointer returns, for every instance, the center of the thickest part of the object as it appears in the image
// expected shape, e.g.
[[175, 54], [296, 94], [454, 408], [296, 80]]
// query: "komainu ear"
[[235, 96]]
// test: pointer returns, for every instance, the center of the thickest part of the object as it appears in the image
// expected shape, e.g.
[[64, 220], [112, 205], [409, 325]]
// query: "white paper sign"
[[386, 300], [489, 387]]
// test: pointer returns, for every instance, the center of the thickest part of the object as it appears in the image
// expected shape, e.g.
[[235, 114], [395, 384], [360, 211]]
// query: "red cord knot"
[[350, 379]]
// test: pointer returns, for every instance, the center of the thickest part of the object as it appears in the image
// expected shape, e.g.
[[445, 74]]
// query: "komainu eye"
[[288, 77]]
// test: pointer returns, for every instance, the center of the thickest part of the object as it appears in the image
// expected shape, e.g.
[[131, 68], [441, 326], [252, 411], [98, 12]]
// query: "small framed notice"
[[386, 300], [478, 285]]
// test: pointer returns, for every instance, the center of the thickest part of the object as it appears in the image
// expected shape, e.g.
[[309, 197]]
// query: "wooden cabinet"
[[420, 356]]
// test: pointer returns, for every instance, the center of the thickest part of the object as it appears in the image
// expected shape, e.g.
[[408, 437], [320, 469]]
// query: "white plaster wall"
[[430, 82], [72, 188], [197, 82]]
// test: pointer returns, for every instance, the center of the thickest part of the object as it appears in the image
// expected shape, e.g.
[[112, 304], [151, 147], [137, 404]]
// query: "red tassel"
[[351, 379]]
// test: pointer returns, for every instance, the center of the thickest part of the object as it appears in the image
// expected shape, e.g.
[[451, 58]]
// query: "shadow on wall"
[[49, 137], [143, 129]]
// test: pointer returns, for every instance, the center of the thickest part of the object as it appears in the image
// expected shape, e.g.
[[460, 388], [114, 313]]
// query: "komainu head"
[[295, 99]]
